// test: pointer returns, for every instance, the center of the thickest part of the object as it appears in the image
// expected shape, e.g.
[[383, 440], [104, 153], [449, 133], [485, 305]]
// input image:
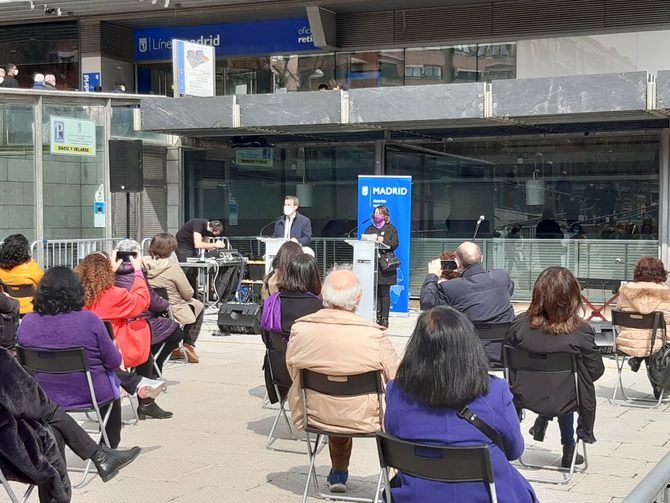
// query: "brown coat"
[[164, 273], [642, 297], [338, 343]]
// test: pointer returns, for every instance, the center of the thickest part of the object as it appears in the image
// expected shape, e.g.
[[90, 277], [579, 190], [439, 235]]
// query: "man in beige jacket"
[[337, 342]]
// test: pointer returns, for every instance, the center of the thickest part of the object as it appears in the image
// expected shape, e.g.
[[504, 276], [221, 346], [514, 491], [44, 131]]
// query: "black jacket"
[[10, 82], [553, 394], [484, 297], [390, 235], [29, 452], [293, 306], [301, 229]]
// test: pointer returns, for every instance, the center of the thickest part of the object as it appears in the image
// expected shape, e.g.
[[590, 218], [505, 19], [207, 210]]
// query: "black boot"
[[539, 428], [149, 408], [109, 461], [634, 363], [568, 451]]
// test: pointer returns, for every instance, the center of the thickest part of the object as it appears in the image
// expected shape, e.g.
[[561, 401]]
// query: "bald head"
[[469, 254], [341, 289]]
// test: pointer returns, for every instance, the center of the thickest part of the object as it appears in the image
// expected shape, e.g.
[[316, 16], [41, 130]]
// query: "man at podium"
[[293, 225]]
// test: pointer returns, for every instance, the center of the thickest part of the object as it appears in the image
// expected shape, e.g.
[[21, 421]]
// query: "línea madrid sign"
[[228, 39]]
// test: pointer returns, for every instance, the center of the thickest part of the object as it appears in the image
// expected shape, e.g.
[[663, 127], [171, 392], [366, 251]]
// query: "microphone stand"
[[479, 222], [268, 225], [356, 228]]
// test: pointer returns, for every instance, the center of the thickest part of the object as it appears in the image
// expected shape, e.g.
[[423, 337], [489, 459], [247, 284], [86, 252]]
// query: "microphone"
[[268, 225], [356, 228], [479, 222]]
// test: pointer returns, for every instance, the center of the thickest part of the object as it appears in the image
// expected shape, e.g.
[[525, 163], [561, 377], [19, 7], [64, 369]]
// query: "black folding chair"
[[492, 337], [69, 361], [538, 367], [12, 495], [124, 394], [441, 464], [368, 383], [654, 322]]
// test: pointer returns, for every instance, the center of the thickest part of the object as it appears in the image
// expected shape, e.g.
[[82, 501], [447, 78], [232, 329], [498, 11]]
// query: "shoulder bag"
[[658, 367], [481, 425], [388, 262]]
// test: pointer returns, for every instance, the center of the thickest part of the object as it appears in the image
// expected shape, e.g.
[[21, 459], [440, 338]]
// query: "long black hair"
[[60, 291], [301, 275], [15, 250], [444, 365]]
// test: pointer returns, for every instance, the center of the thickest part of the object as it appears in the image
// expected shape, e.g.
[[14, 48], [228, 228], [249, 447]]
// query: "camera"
[[125, 255], [449, 265]]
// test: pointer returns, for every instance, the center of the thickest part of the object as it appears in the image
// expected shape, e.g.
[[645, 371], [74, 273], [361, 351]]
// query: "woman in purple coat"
[[445, 368], [59, 322]]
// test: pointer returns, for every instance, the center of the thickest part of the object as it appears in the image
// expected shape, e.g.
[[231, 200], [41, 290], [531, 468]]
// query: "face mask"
[[288, 210], [378, 219]]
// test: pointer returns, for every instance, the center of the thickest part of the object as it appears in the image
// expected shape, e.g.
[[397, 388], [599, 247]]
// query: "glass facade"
[[43, 48]]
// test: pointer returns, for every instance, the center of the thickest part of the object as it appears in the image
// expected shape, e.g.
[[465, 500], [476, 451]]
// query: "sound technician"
[[193, 236]]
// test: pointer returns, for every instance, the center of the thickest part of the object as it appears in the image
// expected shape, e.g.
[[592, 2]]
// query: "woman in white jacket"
[[164, 272]]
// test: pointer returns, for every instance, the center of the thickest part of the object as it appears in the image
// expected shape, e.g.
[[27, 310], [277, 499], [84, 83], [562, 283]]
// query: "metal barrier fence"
[[69, 252], [655, 487], [524, 259]]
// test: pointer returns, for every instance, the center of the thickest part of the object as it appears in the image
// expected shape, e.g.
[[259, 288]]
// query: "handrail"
[[654, 487]]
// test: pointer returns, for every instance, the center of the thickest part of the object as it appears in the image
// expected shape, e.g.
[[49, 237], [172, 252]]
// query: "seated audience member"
[[123, 309], [483, 296], [59, 322], [35, 431], [18, 269], [647, 293], [163, 272], [163, 329], [337, 342], [287, 252], [298, 296], [444, 369], [552, 325], [9, 319]]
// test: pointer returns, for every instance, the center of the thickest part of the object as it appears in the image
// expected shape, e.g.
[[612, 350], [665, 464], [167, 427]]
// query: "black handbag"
[[388, 262], [9, 323], [658, 367]]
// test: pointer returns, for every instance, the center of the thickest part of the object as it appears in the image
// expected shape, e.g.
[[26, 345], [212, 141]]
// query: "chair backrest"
[[161, 291], [637, 320], [541, 363], [53, 361], [110, 329], [492, 331], [367, 383], [21, 291], [439, 463]]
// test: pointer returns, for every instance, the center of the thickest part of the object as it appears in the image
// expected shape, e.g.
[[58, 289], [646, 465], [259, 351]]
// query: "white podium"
[[272, 246], [365, 268]]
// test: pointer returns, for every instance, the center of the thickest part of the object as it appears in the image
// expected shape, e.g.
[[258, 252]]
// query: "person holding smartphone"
[[386, 234]]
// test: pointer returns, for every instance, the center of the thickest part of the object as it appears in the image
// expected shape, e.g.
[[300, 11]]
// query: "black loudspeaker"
[[239, 318], [126, 173]]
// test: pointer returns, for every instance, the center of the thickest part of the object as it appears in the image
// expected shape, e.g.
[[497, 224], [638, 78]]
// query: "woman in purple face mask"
[[388, 235]]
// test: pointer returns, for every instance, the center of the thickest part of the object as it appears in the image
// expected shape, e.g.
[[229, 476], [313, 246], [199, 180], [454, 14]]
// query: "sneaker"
[[337, 481], [150, 388]]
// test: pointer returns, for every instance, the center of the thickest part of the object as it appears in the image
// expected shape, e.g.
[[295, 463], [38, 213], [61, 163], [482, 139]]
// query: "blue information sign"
[[89, 81], [394, 192], [228, 39]]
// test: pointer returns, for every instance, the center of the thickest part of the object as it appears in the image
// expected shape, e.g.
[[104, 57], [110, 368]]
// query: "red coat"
[[123, 309]]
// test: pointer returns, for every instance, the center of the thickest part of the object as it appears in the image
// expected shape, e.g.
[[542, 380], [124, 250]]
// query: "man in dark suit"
[[10, 77], [293, 225]]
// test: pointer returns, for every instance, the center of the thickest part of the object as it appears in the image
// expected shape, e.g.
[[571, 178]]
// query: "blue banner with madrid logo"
[[394, 192]]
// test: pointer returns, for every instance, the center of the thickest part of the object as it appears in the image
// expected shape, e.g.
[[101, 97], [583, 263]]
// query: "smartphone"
[[125, 256], [449, 265]]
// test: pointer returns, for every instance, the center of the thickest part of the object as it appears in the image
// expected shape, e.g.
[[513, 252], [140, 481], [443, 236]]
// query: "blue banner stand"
[[394, 192]]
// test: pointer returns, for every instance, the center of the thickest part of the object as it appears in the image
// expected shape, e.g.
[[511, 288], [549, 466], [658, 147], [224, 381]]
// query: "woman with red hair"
[[647, 293], [123, 309]]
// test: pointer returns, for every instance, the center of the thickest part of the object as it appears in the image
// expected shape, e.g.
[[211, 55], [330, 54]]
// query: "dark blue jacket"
[[301, 229], [484, 297], [410, 420]]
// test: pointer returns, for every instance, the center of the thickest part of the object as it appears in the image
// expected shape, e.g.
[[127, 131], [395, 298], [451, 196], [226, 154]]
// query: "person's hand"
[[220, 244], [116, 262], [136, 262], [380, 239], [435, 267]]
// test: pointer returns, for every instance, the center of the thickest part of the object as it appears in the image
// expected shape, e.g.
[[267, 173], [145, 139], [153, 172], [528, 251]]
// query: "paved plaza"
[[213, 450]]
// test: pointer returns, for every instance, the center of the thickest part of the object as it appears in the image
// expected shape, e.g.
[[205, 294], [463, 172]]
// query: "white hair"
[[38, 77], [50, 78], [335, 298]]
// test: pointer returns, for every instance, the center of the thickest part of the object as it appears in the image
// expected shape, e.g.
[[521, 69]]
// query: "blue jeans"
[[566, 425]]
